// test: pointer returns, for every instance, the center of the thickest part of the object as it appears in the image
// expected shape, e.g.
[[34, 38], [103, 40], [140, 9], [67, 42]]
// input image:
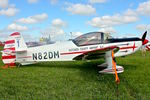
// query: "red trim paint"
[[111, 47], [9, 57], [145, 42], [10, 42], [129, 47], [14, 34], [73, 53], [9, 48], [133, 46]]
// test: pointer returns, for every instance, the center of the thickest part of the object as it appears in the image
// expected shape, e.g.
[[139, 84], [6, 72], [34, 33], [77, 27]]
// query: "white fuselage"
[[66, 51]]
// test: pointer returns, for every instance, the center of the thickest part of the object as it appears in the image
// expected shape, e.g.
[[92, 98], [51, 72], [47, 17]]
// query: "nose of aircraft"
[[145, 42]]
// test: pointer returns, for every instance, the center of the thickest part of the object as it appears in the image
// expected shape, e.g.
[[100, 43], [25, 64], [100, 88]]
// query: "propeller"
[[144, 40], [144, 36], [114, 68]]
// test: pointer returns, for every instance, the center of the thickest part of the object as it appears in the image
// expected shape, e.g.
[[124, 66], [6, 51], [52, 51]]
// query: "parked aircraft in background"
[[89, 46], [147, 46]]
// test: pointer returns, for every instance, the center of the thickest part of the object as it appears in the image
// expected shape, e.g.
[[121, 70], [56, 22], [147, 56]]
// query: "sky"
[[61, 18]]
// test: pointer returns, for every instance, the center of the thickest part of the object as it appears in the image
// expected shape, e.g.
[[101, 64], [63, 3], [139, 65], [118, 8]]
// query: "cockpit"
[[94, 38], [91, 38]]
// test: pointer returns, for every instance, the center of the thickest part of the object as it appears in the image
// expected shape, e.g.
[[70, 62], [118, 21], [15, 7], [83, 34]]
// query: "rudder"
[[14, 43]]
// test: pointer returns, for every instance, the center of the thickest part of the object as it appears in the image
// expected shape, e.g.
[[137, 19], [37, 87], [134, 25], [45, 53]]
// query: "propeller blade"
[[114, 68], [144, 36]]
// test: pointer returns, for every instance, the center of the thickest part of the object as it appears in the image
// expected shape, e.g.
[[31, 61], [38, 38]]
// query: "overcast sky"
[[36, 18]]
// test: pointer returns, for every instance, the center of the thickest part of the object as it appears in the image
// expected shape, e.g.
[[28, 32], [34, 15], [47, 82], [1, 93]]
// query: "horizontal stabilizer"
[[21, 51]]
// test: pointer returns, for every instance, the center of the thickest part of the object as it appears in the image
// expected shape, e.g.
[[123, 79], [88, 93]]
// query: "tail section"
[[13, 44]]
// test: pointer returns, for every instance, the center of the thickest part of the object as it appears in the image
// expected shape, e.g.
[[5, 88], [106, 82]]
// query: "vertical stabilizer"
[[13, 44]]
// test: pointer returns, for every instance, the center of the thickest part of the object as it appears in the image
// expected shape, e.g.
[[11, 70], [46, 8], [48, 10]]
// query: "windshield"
[[91, 38]]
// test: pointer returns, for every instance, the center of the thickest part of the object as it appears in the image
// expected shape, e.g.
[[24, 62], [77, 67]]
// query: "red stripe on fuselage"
[[73, 53], [10, 42], [81, 52], [112, 47], [129, 47], [9, 57]]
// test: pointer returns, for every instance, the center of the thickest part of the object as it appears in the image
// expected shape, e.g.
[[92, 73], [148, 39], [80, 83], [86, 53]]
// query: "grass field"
[[77, 80]]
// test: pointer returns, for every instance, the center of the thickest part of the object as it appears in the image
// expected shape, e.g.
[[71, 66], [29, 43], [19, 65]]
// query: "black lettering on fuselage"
[[56, 54], [34, 56], [94, 47], [40, 55], [50, 55], [45, 55]]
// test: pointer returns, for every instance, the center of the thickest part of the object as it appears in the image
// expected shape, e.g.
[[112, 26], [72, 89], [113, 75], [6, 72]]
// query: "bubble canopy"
[[94, 38], [91, 38]]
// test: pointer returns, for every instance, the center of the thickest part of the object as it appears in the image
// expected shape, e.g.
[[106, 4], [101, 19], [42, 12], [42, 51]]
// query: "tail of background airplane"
[[15, 43]]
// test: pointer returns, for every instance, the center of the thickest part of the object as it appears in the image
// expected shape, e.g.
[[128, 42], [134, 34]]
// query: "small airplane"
[[88, 46], [147, 46]]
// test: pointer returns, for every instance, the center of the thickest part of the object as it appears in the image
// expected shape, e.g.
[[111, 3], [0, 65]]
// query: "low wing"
[[108, 52], [95, 54]]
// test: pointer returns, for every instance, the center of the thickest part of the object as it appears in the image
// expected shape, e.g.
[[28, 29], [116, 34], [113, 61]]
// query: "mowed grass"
[[77, 80]]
